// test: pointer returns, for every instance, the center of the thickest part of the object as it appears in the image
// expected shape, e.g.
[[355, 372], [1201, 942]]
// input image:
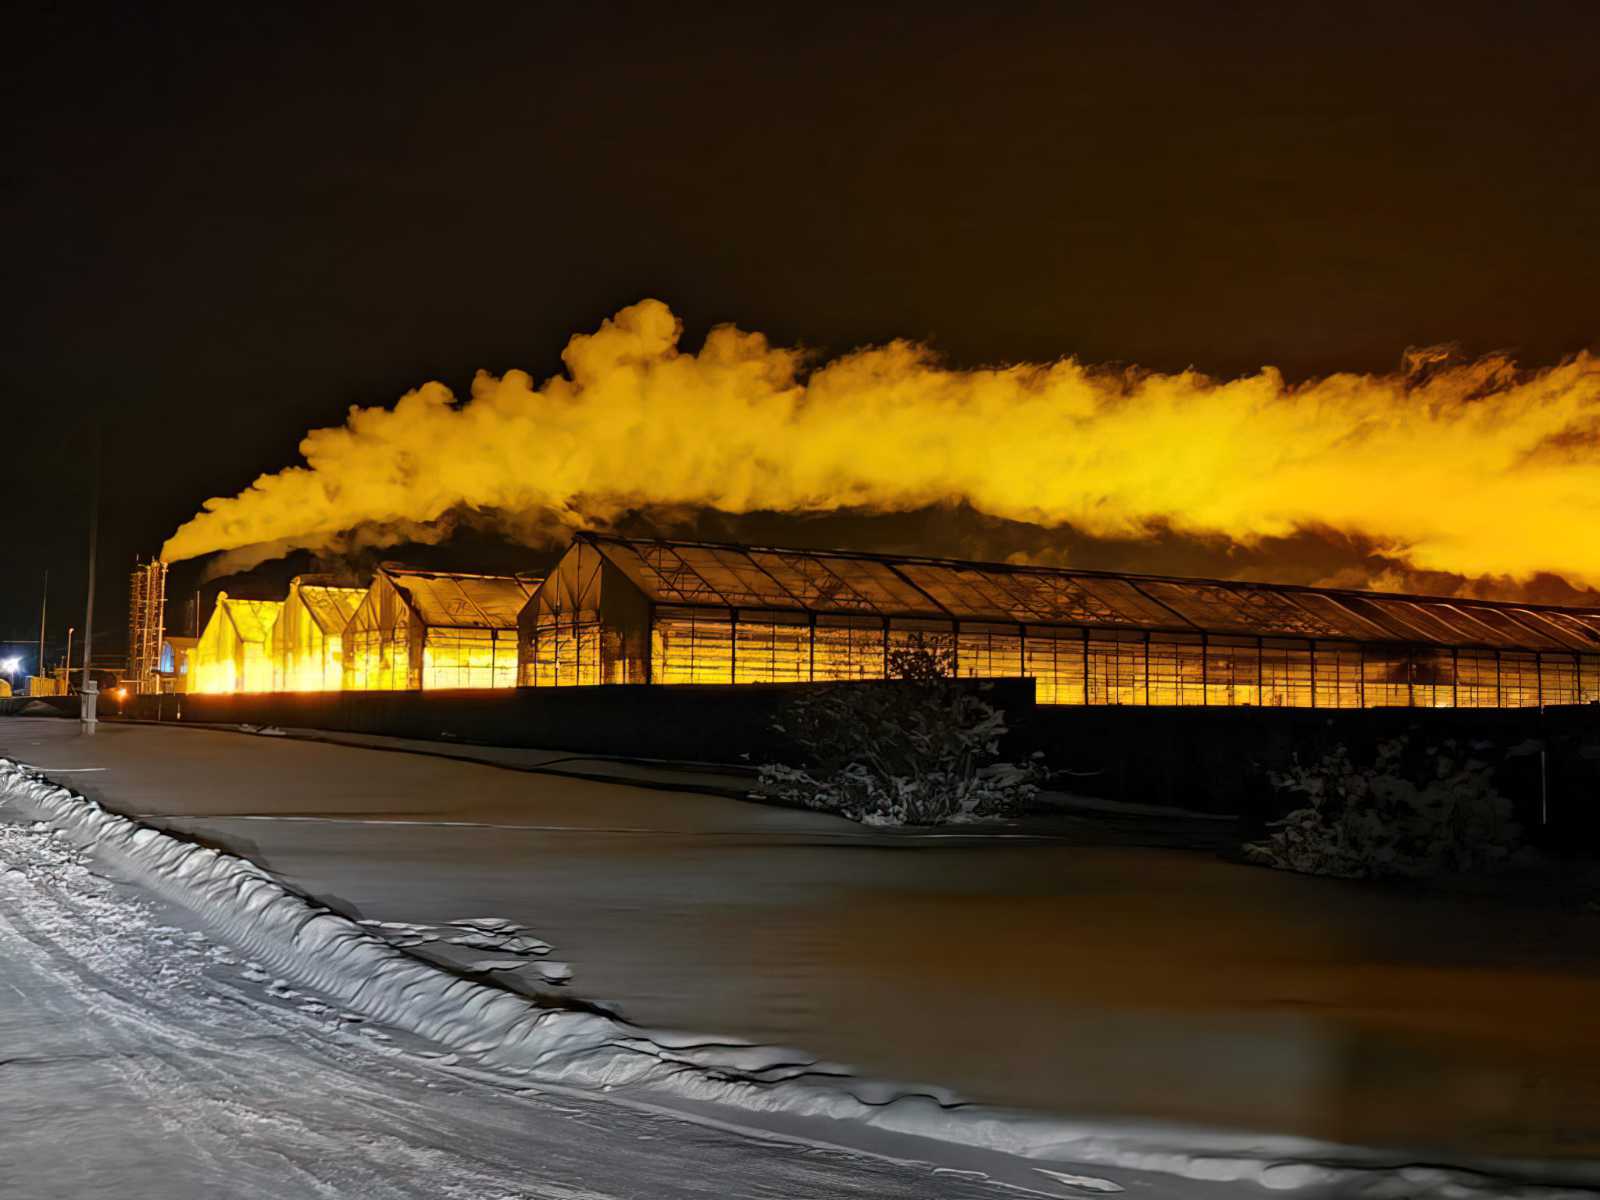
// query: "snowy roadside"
[[146, 1060], [491, 1031]]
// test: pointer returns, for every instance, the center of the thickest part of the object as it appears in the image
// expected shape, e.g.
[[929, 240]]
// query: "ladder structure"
[[147, 602]]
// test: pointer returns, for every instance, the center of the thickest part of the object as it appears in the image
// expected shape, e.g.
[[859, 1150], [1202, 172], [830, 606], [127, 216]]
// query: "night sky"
[[224, 227]]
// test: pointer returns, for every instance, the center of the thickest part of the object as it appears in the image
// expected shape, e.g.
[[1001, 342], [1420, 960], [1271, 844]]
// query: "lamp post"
[[91, 690], [66, 669], [44, 601]]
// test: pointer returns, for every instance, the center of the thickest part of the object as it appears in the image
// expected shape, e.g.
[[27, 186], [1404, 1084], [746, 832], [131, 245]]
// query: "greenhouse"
[[435, 629], [620, 610], [307, 638], [234, 651]]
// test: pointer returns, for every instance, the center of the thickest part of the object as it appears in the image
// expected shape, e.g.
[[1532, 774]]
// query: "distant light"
[[9, 666], [122, 693]]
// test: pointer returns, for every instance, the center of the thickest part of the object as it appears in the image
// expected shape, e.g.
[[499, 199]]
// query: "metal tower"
[[147, 601]]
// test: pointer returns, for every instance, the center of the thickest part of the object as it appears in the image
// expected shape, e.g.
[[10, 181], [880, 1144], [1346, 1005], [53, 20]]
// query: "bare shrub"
[[919, 749], [1442, 816]]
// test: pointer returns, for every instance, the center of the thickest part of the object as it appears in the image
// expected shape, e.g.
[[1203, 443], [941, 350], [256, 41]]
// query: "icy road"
[[143, 1060]]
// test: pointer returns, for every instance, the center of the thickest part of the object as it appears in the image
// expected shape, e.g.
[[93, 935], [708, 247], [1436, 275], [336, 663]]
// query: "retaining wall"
[[1207, 759]]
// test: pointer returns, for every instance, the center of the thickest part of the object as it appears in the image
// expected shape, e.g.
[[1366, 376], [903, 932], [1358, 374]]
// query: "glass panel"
[[1465, 629], [736, 578], [379, 659], [1589, 679], [1177, 669], [660, 573], [690, 646], [1571, 630], [1233, 671], [1477, 679], [463, 601], [1240, 609], [1339, 616], [847, 649], [498, 599], [1054, 659], [1519, 680], [1437, 623], [1117, 671], [989, 651], [1589, 620], [776, 649], [883, 586], [1338, 670], [1506, 631], [1286, 674], [964, 592], [1391, 622], [935, 636], [1104, 602], [1433, 678], [564, 654], [331, 607], [469, 658], [361, 660], [813, 583], [1386, 677], [1558, 678], [234, 654]]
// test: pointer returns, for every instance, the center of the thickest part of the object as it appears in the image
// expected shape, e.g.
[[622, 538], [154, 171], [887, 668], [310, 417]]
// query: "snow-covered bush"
[[1441, 816], [919, 749]]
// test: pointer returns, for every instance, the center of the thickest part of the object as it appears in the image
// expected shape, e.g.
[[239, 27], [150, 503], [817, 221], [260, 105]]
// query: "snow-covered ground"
[[493, 1043], [142, 1058]]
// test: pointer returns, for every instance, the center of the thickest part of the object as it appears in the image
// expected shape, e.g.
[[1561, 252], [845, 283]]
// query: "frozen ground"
[[145, 1060], [694, 912]]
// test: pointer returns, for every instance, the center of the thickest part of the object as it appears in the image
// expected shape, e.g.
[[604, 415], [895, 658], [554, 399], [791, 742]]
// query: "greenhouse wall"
[[469, 658], [585, 624], [306, 645], [234, 653], [1099, 667], [430, 630], [382, 644]]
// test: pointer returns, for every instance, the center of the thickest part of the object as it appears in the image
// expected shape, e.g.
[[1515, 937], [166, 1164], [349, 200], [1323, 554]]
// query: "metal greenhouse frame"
[[625, 610], [435, 629], [308, 636], [234, 652]]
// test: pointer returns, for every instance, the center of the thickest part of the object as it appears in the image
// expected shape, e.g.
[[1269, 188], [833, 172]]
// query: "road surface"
[[1065, 976], [141, 1060]]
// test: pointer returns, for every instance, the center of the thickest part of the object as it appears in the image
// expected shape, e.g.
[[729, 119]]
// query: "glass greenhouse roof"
[[842, 582], [445, 599], [252, 619], [331, 607]]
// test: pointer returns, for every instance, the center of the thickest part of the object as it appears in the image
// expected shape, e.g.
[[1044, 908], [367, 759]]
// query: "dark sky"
[[224, 226]]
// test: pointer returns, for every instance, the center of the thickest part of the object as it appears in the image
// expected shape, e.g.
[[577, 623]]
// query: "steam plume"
[[1466, 467]]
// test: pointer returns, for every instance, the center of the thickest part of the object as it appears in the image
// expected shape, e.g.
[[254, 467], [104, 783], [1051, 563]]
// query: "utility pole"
[[88, 713], [66, 663], [44, 602]]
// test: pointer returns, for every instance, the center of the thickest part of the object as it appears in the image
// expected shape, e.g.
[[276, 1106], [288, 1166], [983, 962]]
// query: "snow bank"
[[502, 1032]]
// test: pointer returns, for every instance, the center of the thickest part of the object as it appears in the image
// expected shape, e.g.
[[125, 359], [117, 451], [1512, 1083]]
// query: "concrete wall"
[[1206, 759], [1217, 759], [693, 723]]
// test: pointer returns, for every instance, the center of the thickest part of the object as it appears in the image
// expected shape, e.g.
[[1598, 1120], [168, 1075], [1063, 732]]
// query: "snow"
[[143, 1061], [344, 967]]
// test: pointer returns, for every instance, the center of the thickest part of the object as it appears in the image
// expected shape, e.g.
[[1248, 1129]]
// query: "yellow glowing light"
[[306, 644], [233, 653], [428, 629]]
